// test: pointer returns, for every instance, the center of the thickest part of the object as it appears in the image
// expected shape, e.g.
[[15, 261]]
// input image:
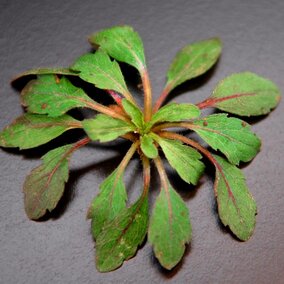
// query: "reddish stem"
[[123, 164], [147, 95], [116, 97], [161, 99], [106, 110], [146, 175], [81, 143]]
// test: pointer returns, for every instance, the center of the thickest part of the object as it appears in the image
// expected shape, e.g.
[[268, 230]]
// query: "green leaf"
[[174, 113], [245, 94], [105, 128], [121, 43], [121, 236], [108, 203], [232, 136], [192, 61], [148, 147], [32, 130], [134, 112], [44, 186], [52, 96], [184, 159], [236, 206], [97, 68], [169, 228], [47, 71]]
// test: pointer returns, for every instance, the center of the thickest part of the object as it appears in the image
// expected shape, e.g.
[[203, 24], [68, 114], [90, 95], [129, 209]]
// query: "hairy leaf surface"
[[53, 96], [134, 112], [236, 206], [121, 43], [97, 68], [44, 186], [32, 130], [169, 228], [184, 159], [120, 237], [231, 136], [108, 203], [245, 94], [105, 128], [192, 61], [148, 147], [174, 112]]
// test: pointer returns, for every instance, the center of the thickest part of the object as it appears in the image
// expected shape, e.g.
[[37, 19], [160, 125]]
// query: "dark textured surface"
[[60, 250]]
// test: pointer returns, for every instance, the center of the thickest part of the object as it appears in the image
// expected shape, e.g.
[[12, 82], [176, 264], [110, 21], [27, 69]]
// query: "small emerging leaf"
[[105, 128], [148, 147], [44, 186], [32, 130], [192, 61], [47, 71], [121, 236], [97, 68], [245, 94], [121, 43], [174, 113], [108, 203], [169, 229], [184, 159], [231, 136], [236, 206], [53, 96], [134, 112]]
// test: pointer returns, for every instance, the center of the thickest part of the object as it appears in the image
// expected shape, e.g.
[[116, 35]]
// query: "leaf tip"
[[32, 214]]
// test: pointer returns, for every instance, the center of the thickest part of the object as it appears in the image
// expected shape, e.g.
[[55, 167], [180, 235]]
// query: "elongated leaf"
[[148, 147], [192, 61], [44, 186], [121, 237], [174, 113], [47, 71], [169, 228], [245, 94], [231, 136], [109, 202], [105, 128], [49, 95], [97, 68], [121, 43], [236, 206], [184, 159], [32, 130], [134, 112]]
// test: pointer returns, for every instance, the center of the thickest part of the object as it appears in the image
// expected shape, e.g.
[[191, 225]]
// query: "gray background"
[[60, 250]]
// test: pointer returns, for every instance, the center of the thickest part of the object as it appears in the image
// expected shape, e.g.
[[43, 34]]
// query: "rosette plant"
[[117, 227]]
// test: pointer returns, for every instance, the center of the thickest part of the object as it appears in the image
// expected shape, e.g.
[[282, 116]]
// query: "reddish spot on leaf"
[[57, 79], [44, 106], [205, 123]]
